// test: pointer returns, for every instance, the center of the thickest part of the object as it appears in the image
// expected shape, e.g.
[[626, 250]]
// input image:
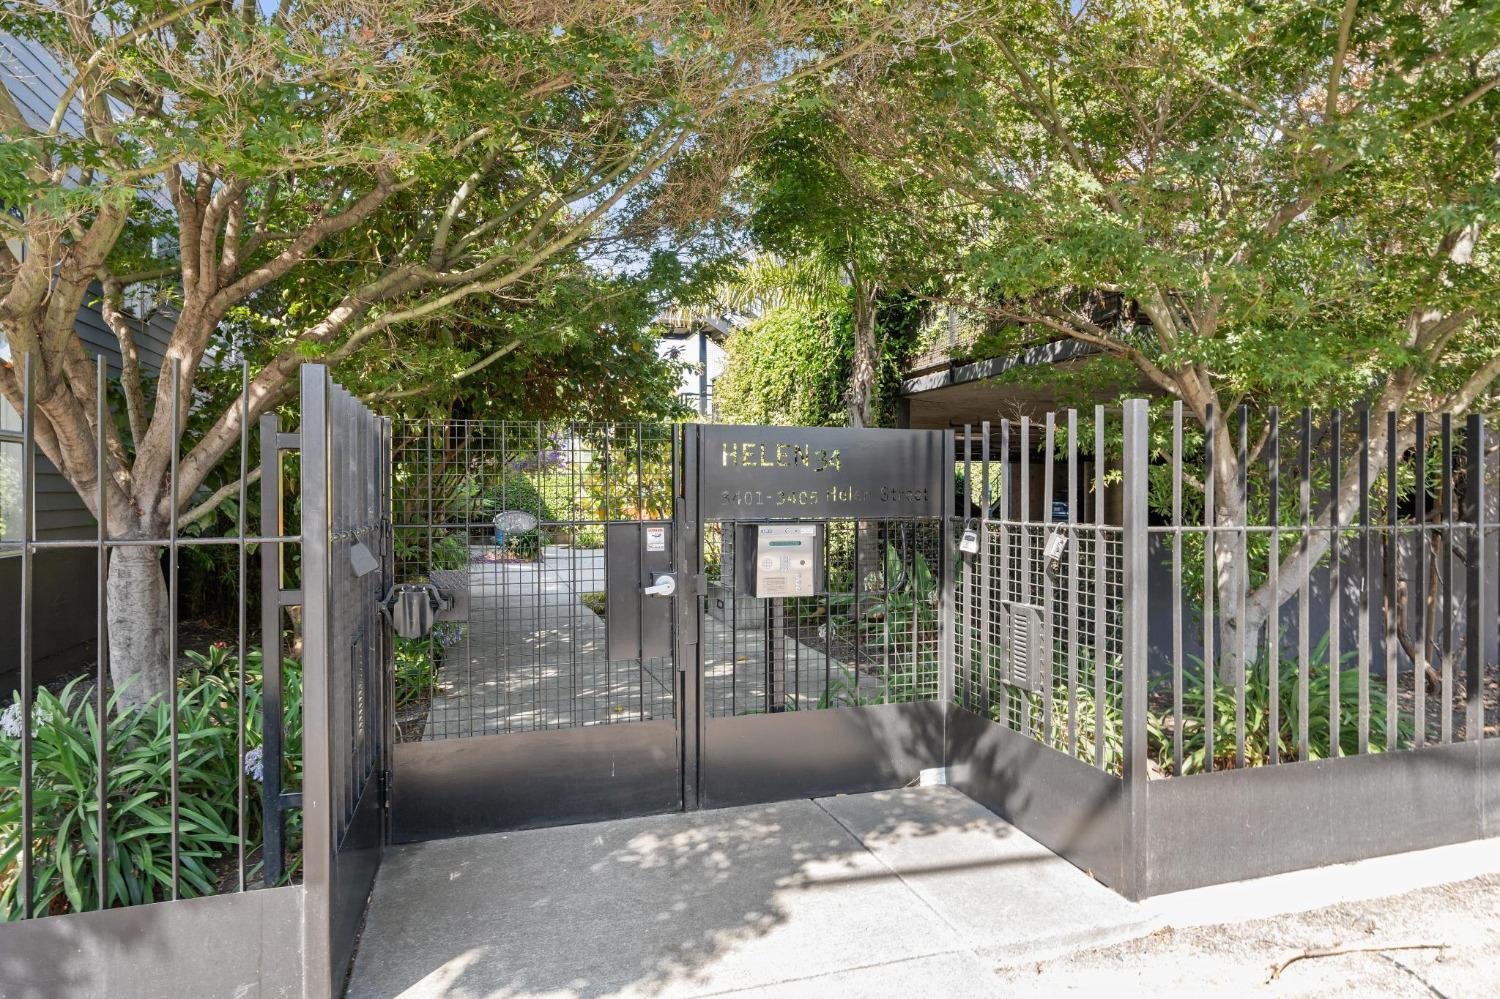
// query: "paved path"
[[919, 892], [533, 657]]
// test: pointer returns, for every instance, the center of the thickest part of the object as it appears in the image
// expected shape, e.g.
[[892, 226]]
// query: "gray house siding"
[[63, 624], [64, 617]]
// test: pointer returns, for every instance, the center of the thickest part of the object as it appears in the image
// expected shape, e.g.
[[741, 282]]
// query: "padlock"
[[1057, 546], [969, 543]]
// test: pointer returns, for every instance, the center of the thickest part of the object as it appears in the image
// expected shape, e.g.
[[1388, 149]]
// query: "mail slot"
[[779, 560]]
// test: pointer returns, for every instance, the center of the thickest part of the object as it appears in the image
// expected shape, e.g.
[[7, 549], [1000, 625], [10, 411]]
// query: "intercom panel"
[[779, 560]]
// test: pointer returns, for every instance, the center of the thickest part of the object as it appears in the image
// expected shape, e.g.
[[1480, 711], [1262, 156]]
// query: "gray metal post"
[[1136, 541], [317, 721], [687, 563], [1477, 595], [947, 582], [702, 373], [272, 718]]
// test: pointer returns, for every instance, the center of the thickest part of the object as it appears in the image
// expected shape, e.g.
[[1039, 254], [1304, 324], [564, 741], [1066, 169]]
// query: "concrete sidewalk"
[[912, 892]]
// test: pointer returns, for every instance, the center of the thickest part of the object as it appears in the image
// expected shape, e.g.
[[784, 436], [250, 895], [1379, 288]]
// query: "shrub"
[[449, 549], [517, 491], [418, 661], [791, 366], [65, 775], [527, 544], [1258, 714]]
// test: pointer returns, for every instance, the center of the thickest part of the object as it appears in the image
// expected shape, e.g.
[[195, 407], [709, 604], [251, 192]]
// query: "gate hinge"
[[289, 441]]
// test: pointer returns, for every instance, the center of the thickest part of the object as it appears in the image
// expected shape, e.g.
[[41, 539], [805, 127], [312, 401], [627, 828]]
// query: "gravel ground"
[[1238, 959]]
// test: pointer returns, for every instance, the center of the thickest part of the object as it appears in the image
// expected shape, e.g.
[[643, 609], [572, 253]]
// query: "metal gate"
[[345, 573], [512, 713], [558, 688]]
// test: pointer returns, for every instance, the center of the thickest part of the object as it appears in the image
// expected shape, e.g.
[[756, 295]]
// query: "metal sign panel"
[[775, 473]]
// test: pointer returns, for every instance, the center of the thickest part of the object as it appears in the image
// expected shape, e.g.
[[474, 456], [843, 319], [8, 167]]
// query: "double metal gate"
[[557, 691]]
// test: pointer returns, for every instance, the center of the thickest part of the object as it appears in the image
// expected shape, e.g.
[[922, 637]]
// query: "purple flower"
[[255, 764]]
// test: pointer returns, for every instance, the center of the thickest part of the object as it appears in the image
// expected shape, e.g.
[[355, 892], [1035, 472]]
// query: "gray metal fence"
[[1289, 616], [107, 807]]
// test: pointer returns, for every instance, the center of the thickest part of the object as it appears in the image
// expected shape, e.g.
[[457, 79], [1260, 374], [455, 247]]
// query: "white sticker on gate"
[[656, 539]]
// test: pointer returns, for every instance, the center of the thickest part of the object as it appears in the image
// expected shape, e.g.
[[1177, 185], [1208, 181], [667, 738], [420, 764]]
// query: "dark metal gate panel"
[[840, 690], [346, 565], [516, 713]]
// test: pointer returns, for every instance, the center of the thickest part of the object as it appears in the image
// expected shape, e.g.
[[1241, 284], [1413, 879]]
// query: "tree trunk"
[[138, 612], [1239, 634], [866, 356]]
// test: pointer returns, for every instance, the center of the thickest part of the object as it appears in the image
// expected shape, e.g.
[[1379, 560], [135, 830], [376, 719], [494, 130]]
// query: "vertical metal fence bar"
[[1025, 554], [1004, 572], [1419, 584], [242, 823], [1177, 608], [28, 570], [569, 619], [643, 503], [1273, 583], [101, 632], [1335, 580], [1476, 589], [1241, 650], [271, 679], [982, 626], [1101, 584], [318, 816], [1304, 594], [432, 428], [1446, 533], [1072, 538], [539, 621], [1363, 605], [1134, 650], [945, 582], [967, 650], [1392, 579], [1049, 656], [1210, 541], [172, 593]]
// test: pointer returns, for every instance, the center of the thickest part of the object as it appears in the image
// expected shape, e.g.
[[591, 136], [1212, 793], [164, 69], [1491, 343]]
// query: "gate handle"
[[664, 586]]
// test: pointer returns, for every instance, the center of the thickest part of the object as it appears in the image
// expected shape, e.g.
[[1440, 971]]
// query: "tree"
[[1296, 199], [279, 149], [791, 366], [827, 215]]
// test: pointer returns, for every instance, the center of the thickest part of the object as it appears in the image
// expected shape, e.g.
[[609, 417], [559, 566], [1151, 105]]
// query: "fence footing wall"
[[1235, 824], [490, 783], [1231, 825], [750, 759], [244, 944], [1070, 807]]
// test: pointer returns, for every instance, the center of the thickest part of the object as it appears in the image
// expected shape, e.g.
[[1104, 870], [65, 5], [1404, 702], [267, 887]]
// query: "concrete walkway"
[[534, 657], [919, 892]]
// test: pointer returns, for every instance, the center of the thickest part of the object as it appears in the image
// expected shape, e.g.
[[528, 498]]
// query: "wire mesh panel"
[[511, 516], [870, 638], [1039, 585]]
